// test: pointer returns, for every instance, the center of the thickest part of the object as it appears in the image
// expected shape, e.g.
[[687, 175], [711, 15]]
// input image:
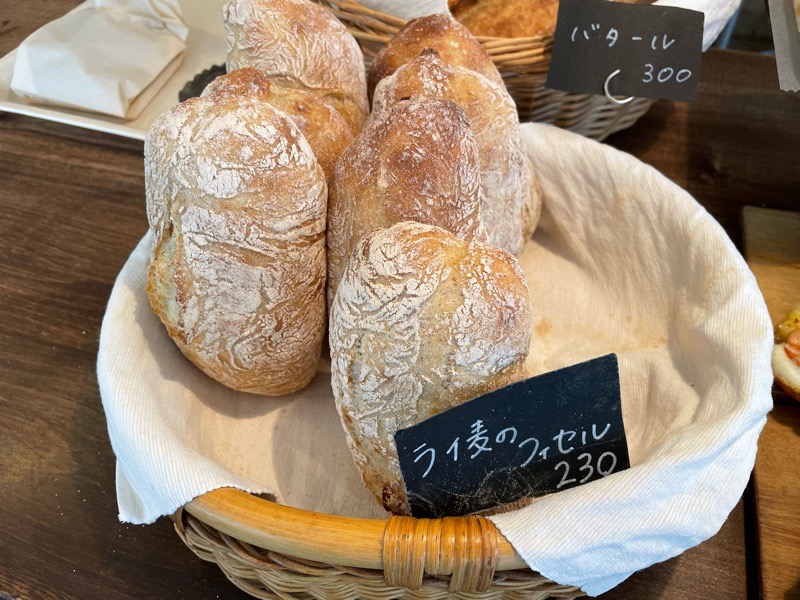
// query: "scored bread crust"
[[423, 321], [454, 43], [323, 127], [418, 162], [510, 199], [237, 205], [302, 44]]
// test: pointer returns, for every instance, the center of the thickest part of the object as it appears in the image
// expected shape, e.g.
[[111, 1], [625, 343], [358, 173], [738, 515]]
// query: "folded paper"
[[105, 57]]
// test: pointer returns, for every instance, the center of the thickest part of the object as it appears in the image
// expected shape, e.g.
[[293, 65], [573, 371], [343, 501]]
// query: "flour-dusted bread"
[[418, 162], [423, 321], [454, 43], [323, 127], [237, 204], [304, 46], [509, 195]]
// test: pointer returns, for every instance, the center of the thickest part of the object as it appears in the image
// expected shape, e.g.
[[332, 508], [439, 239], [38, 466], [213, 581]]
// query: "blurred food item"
[[786, 354]]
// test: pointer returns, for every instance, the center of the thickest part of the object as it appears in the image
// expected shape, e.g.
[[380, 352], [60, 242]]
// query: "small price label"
[[628, 49], [541, 435]]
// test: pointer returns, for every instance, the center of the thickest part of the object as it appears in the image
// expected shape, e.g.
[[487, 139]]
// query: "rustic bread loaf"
[[423, 321], [323, 127], [512, 18], [418, 162], [304, 46], [237, 205], [454, 43], [508, 188]]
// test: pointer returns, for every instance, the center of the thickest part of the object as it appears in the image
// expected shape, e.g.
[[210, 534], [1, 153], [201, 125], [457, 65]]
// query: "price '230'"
[[604, 467], [664, 75]]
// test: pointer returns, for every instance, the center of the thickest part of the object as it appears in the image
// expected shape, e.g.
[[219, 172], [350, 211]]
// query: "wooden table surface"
[[72, 206]]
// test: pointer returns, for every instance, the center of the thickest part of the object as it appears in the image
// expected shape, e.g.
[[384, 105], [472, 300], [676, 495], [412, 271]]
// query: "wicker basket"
[[523, 63], [274, 551]]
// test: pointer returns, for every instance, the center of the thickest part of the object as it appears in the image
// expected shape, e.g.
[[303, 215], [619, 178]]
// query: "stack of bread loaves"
[[428, 204]]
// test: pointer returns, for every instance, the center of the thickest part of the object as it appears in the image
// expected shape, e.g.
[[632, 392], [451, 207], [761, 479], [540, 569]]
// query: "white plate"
[[205, 46]]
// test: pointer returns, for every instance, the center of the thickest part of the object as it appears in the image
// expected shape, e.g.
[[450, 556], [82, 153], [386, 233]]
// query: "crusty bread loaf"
[[454, 43], [423, 321], [419, 162], [237, 204], [303, 45], [323, 127], [508, 189], [512, 18]]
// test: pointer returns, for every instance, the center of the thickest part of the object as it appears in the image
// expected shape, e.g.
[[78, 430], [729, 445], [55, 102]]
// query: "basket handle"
[[464, 547]]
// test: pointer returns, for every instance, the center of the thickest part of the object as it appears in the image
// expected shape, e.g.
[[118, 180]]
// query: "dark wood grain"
[[737, 145], [72, 206], [73, 209], [19, 18]]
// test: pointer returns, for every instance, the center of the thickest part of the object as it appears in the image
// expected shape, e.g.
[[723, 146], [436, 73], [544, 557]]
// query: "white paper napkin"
[[108, 56], [624, 261]]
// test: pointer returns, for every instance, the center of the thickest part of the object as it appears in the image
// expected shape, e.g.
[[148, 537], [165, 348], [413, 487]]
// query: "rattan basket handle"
[[464, 547]]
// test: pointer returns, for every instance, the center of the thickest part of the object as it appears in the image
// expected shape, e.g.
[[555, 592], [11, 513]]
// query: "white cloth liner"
[[623, 261], [108, 56]]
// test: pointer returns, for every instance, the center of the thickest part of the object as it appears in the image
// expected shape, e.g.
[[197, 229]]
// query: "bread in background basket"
[[511, 18]]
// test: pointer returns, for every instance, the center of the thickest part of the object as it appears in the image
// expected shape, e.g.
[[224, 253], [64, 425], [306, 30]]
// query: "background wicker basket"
[[274, 551], [523, 63]]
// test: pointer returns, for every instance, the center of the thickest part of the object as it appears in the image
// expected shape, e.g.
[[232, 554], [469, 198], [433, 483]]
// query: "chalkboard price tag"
[[534, 437], [639, 50]]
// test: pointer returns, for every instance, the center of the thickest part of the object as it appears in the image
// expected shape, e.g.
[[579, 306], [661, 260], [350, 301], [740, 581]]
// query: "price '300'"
[[665, 74]]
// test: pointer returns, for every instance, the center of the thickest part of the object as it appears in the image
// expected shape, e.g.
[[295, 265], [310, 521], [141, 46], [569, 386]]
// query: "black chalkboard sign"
[[637, 49], [537, 436]]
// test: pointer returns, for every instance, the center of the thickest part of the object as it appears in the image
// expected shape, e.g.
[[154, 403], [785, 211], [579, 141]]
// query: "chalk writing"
[[537, 436], [630, 49], [480, 437]]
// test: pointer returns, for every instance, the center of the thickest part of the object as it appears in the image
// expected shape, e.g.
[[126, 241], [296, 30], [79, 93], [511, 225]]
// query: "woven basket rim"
[[333, 539]]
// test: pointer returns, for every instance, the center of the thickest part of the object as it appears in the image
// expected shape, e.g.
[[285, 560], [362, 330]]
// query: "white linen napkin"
[[107, 56], [624, 261]]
